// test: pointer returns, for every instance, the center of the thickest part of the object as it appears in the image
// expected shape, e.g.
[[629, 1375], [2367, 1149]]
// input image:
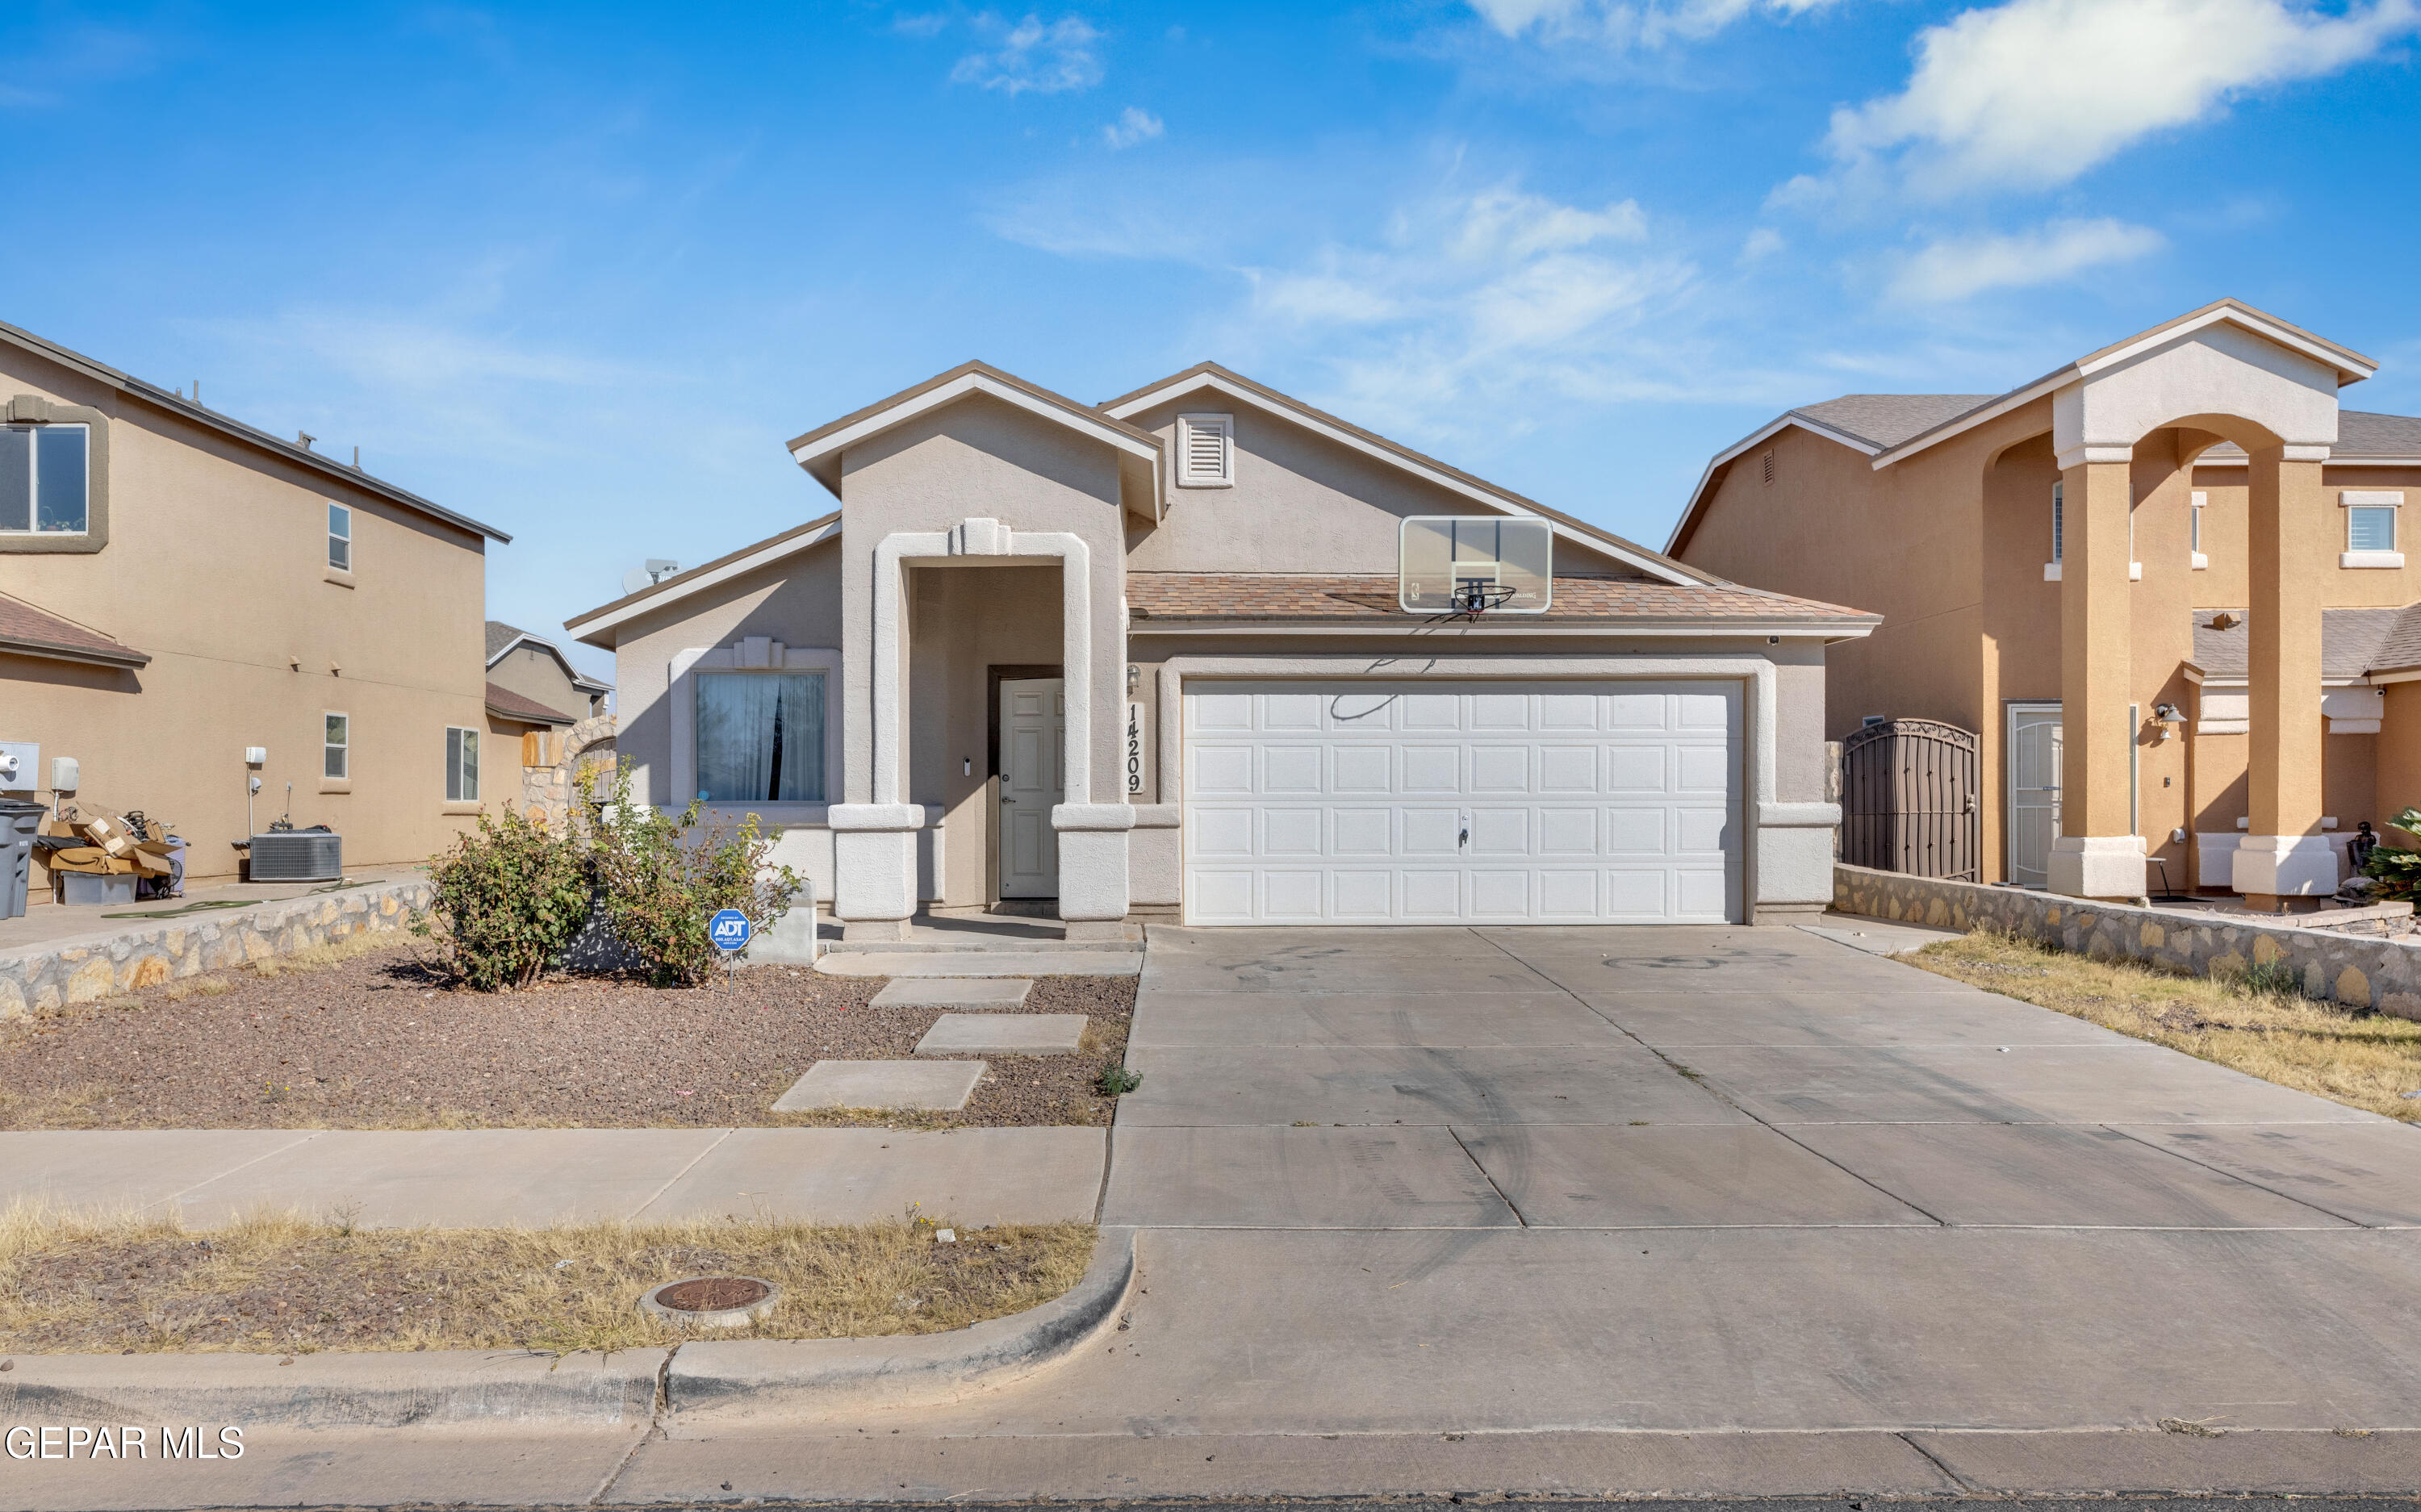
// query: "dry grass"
[[75, 1283], [2363, 1060]]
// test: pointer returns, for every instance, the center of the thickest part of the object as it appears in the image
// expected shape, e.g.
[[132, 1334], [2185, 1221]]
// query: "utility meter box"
[[66, 776], [255, 756], [20, 766]]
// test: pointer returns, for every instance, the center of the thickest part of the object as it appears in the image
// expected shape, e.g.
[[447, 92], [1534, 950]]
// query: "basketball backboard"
[[1475, 564]]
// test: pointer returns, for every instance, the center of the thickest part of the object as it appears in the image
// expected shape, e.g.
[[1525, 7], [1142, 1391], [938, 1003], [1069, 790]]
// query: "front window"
[[760, 737], [462, 766], [2371, 527], [337, 747], [340, 538], [44, 483]]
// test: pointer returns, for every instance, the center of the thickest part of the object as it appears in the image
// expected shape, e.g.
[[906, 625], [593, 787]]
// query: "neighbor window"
[[462, 766], [2194, 531], [43, 479], [340, 538], [2058, 508], [760, 737], [337, 747], [2371, 527]]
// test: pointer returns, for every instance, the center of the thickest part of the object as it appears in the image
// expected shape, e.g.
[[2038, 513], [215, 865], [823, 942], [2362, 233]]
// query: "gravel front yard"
[[373, 1043]]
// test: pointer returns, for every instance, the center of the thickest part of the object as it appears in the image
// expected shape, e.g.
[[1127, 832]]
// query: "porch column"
[[2288, 538], [2097, 853]]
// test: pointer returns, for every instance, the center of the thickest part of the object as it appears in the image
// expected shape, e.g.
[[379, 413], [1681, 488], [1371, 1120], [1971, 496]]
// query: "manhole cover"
[[711, 1301], [714, 1294]]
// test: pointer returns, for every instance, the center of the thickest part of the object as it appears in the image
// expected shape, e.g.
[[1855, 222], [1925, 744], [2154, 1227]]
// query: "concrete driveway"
[[1704, 1212]]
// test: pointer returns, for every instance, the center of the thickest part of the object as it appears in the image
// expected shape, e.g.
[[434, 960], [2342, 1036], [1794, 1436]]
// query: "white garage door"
[[1375, 802]]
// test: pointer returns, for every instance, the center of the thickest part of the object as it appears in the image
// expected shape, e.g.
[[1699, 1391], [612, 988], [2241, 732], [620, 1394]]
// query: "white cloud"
[[1048, 57], [1133, 125], [1955, 268], [1625, 23], [1761, 243], [2033, 93]]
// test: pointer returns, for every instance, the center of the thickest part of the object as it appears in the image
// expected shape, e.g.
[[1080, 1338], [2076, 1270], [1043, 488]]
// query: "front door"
[[1033, 731], [2034, 791]]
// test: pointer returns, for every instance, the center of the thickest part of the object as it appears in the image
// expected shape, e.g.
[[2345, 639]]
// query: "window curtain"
[[760, 737]]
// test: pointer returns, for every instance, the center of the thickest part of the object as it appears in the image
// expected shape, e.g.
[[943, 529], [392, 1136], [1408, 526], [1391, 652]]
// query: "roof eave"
[[586, 628], [32, 646], [1709, 477]]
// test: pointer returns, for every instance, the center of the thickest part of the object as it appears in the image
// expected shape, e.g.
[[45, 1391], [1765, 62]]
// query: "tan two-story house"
[[182, 593], [1154, 656], [2167, 585]]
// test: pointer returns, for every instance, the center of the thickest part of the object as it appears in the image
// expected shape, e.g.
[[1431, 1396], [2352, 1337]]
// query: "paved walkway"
[[469, 1178]]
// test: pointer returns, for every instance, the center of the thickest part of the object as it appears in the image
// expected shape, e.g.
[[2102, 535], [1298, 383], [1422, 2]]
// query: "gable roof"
[[819, 450], [2349, 366], [505, 704], [595, 622], [1236, 385], [2364, 438], [1370, 599], [502, 638], [1865, 423], [26, 631], [287, 451]]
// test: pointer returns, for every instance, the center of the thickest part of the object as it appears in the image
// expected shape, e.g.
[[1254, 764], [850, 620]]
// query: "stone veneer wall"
[[38, 978], [2359, 970], [547, 791]]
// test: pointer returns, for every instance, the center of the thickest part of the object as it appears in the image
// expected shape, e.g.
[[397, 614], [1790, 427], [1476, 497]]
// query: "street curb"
[[333, 1389], [726, 1382]]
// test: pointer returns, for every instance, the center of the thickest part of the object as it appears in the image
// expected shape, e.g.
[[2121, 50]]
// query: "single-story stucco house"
[[1150, 658]]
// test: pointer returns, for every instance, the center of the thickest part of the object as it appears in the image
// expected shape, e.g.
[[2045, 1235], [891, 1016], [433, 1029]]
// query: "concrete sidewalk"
[[454, 1179]]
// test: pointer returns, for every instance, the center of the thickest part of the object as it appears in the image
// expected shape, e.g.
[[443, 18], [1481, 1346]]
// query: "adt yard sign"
[[729, 929]]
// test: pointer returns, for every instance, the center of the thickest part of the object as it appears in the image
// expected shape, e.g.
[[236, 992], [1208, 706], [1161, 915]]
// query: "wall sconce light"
[[1134, 678], [2167, 717]]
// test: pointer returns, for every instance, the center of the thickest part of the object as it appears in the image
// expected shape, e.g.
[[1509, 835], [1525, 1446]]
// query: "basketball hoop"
[[1457, 565]]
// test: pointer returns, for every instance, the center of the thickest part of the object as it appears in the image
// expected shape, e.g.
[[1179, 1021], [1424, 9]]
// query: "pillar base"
[[2284, 867], [1094, 931], [1092, 862], [2104, 866], [874, 865], [884, 931]]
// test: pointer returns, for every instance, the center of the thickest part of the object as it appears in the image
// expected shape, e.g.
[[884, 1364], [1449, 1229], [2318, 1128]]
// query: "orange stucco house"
[[2166, 585]]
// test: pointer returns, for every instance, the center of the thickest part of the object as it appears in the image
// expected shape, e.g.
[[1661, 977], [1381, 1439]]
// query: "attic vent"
[[1766, 463], [1206, 451]]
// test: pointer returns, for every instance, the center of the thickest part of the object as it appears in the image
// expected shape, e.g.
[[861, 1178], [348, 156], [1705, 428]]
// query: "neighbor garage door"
[[1376, 803]]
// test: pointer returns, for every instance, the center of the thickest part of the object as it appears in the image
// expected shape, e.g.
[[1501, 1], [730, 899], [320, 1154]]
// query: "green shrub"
[[2273, 978], [1117, 1080], [2398, 872], [662, 877], [511, 894]]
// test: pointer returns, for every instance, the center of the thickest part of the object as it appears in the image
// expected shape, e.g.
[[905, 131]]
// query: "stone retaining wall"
[[37, 978], [2359, 970]]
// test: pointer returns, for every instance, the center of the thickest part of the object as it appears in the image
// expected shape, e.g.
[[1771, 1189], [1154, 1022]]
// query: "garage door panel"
[[1223, 834], [1362, 831], [1431, 768], [1500, 768], [1432, 894], [1292, 769], [1288, 834], [1432, 831], [1362, 896], [1429, 711], [1635, 769], [1362, 768], [1500, 832], [1370, 804], [1501, 897], [1567, 832], [1293, 896]]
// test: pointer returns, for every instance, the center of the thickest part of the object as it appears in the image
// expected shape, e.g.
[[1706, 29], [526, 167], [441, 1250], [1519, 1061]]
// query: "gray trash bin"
[[19, 821]]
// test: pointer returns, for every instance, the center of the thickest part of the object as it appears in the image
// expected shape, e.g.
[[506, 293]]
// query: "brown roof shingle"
[[25, 631], [1223, 596], [506, 704]]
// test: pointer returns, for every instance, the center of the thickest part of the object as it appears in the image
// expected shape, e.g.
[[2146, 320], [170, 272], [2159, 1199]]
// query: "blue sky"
[[580, 271]]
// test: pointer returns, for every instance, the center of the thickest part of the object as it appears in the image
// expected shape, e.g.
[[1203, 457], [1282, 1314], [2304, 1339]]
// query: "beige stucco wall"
[[535, 674], [2397, 780], [795, 600], [216, 567], [1301, 502], [981, 458], [2223, 585]]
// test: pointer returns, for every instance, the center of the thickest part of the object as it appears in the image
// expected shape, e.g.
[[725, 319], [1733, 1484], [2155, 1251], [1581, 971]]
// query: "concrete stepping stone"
[[954, 993], [1004, 1034], [941, 1085]]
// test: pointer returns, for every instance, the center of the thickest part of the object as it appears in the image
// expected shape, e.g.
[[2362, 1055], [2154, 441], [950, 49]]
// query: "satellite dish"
[[641, 578]]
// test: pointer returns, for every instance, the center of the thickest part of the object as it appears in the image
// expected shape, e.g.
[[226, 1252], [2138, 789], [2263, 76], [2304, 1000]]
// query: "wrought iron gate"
[[1909, 801]]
